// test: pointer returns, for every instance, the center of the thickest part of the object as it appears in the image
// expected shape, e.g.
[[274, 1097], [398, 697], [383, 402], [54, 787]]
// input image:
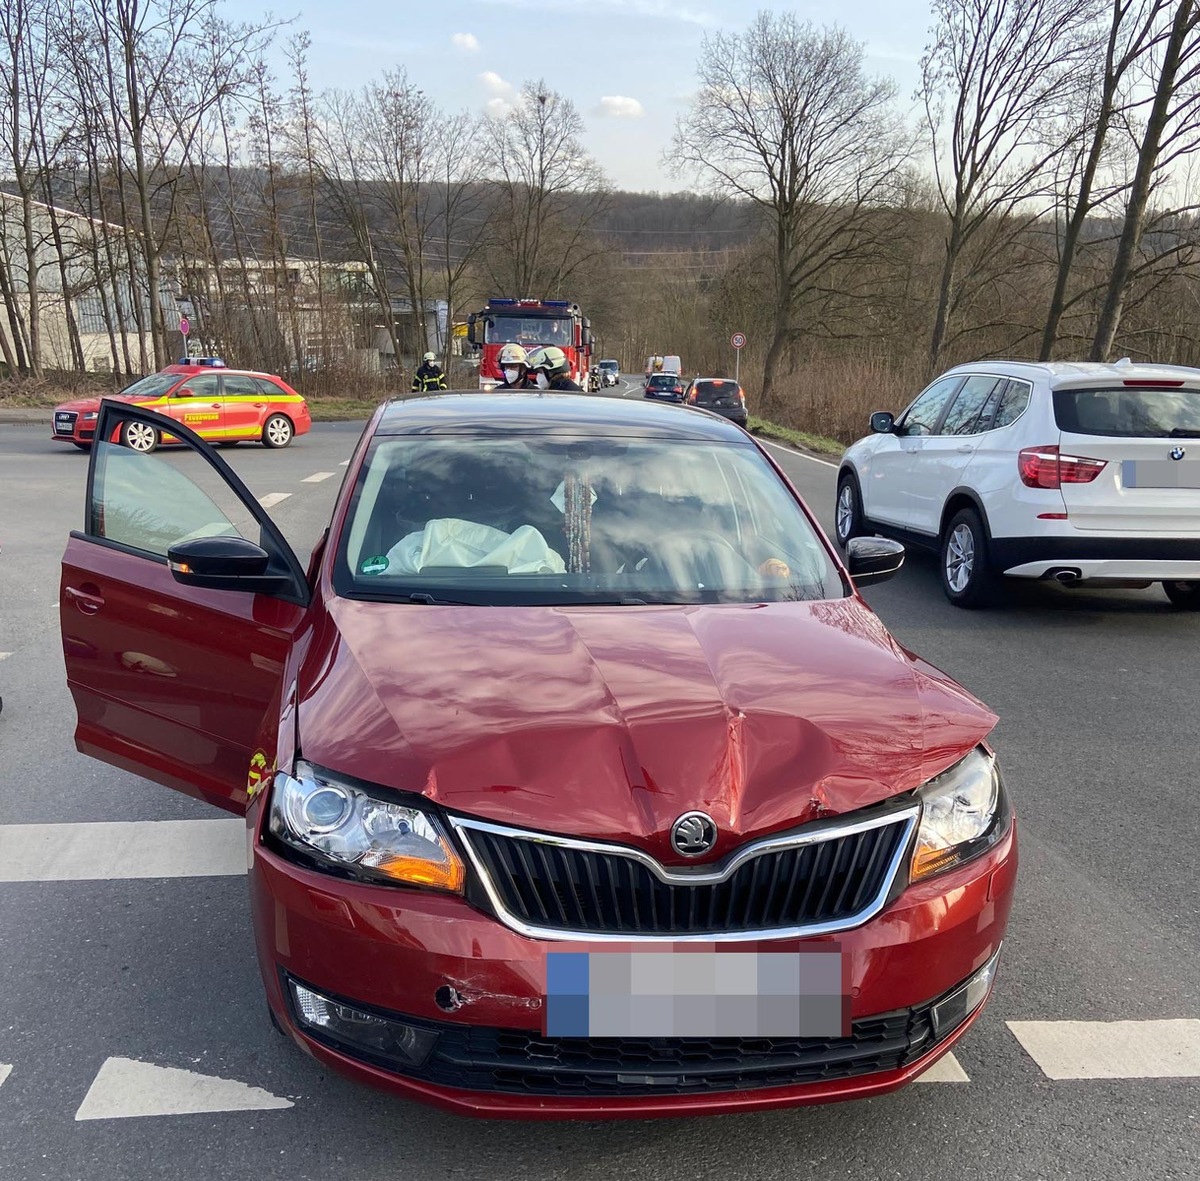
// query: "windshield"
[[530, 330], [153, 386], [1129, 412], [536, 521], [609, 365]]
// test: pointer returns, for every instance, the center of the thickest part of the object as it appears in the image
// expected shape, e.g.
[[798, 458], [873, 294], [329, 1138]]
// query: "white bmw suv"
[[1083, 472]]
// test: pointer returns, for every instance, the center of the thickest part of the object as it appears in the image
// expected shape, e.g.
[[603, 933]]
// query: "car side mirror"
[[184, 392], [224, 562], [883, 423], [873, 559]]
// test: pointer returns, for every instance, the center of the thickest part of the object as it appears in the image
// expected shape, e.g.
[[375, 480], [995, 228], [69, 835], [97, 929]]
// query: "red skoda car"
[[580, 781]]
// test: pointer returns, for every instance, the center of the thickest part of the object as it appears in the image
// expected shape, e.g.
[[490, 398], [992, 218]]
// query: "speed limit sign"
[[738, 340]]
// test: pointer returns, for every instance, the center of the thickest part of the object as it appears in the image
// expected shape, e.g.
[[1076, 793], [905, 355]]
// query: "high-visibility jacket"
[[428, 377]]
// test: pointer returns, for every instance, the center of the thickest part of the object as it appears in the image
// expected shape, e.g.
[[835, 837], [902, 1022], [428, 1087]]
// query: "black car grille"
[[64, 422], [550, 886], [482, 1059]]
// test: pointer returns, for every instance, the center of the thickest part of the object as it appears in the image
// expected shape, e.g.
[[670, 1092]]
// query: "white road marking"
[[125, 1088], [317, 477], [273, 498], [946, 1069], [4, 654], [344, 463], [112, 850], [793, 451], [1112, 1049], [5, 1071]]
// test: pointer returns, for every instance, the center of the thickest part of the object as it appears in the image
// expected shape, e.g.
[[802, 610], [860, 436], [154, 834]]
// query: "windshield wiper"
[[1183, 432], [429, 601]]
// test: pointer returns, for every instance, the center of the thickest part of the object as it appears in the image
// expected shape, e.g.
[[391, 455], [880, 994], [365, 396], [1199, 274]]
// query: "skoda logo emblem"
[[1177, 453], [693, 833]]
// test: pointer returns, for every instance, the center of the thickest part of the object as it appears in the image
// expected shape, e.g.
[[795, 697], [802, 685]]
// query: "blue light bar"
[[501, 303], [558, 303]]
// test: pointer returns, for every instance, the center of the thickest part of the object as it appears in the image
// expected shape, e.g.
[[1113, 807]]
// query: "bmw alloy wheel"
[[845, 512], [960, 558]]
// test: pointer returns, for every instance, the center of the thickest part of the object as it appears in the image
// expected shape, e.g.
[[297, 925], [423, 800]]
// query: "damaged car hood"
[[612, 722]]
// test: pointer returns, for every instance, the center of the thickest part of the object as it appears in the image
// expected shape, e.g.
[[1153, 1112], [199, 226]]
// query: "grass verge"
[[785, 434]]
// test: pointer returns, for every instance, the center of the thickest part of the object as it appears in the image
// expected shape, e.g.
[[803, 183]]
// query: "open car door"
[[179, 604]]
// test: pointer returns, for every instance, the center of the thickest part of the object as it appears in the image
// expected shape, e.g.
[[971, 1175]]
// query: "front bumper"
[[392, 950], [72, 428]]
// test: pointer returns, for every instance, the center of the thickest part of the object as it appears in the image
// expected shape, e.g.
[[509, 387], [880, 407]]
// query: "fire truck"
[[530, 323]]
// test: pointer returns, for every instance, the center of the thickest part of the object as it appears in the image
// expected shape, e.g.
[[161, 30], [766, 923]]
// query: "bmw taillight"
[[1047, 467]]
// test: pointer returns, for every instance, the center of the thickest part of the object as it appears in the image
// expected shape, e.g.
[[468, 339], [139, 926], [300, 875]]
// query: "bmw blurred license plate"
[[703, 994]]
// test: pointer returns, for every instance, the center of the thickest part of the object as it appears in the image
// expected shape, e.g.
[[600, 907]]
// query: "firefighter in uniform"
[[429, 375], [514, 368], [552, 370]]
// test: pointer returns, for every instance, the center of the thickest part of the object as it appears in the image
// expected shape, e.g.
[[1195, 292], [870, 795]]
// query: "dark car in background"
[[721, 395], [664, 387]]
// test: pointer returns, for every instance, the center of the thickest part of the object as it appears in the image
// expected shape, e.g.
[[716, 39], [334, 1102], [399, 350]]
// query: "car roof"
[[1065, 374], [470, 412], [195, 369]]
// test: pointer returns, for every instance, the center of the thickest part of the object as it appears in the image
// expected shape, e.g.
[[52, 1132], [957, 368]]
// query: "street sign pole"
[[738, 340]]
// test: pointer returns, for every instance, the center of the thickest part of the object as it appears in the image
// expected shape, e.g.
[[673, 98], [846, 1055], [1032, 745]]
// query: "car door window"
[[269, 388], [963, 416], [922, 416], [203, 385], [1013, 401], [240, 385], [146, 502]]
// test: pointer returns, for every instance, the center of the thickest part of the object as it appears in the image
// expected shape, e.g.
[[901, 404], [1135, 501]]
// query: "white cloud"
[[503, 94], [467, 42], [617, 106]]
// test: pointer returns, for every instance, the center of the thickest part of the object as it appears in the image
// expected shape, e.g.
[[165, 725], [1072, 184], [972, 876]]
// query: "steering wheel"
[[699, 558]]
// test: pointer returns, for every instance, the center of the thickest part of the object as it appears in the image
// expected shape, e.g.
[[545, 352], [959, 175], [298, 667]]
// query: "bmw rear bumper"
[[1149, 559]]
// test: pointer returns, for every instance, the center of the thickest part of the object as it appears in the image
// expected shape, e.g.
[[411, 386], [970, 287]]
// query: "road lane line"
[[946, 1069], [5, 1071], [317, 477], [344, 463], [1112, 1049], [114, 851], [273, 498], [4, 654], [125, 1088], [793, 451]]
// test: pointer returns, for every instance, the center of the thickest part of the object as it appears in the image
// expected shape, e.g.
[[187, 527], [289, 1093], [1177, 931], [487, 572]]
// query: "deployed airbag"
[[451, 541]]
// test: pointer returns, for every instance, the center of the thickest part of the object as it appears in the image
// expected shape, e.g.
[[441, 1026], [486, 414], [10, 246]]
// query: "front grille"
[[64, 422], [551, 886]]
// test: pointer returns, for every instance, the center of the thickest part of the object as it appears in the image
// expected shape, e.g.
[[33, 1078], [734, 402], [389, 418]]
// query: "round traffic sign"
[[738, 340], [184, 326]]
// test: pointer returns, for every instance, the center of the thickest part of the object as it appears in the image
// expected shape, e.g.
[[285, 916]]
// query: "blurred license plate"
[[1160, 473], [696, 994]]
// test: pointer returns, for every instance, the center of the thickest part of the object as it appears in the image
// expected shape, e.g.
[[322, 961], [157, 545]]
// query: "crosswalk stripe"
[[317, 477], [124, 1088], [112, 850], [273, 498], [1112, 1049], [946, 1069]]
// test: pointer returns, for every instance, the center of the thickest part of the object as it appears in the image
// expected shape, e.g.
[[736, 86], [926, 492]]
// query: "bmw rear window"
[[1131, 412]]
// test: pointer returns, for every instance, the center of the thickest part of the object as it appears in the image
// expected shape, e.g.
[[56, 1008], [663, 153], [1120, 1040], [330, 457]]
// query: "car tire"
[[964, 564], [1185, 595], [139, 436], [847, 515], [277, 431]]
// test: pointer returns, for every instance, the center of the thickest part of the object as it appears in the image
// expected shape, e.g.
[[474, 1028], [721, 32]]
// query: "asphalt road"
[[1097, 695]]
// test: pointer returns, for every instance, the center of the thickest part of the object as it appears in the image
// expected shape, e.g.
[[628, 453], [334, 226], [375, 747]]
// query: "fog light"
[[338, 1022], [963, 1001]]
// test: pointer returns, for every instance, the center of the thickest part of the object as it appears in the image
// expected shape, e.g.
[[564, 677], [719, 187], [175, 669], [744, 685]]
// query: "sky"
[[628, 65]]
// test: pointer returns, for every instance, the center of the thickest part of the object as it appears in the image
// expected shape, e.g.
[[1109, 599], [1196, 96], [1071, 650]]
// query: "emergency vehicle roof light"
[[501, 303], [558, 303]]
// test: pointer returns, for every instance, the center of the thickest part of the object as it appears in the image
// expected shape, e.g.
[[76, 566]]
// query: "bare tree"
[[549, 194], [996, 79], [1171, 132], [786, 118]]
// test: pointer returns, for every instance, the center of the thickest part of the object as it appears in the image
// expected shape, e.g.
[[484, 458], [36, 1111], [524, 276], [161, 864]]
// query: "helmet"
[[549, 360], [429, 357], [513, 354]]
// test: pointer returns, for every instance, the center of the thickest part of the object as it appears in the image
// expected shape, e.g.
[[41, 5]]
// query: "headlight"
[[88, 415], [315, 813], [963, 814]]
